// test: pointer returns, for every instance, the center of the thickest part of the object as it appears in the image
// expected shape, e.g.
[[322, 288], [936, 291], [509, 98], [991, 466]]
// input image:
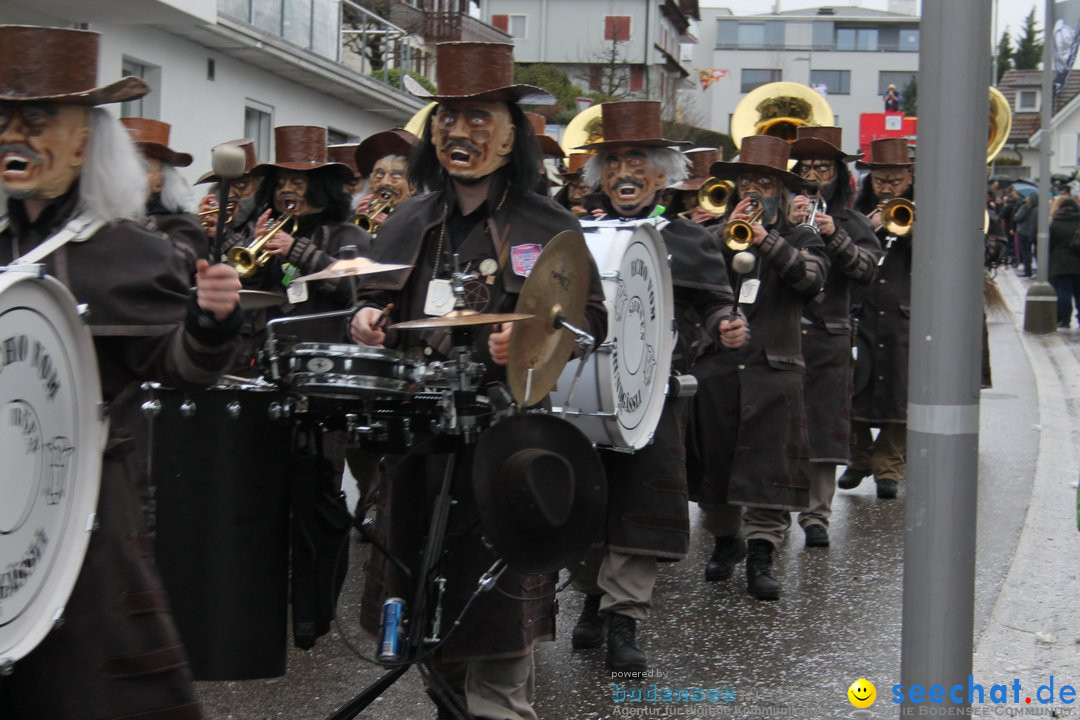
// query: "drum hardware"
[[742, 263], [680, 386], [228, 163], [249, 258], [350, 267], [460, 318]]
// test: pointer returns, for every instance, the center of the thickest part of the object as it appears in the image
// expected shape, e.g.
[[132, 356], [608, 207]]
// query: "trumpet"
[[897, 216], [818, 206], [249, 258], [205, 215], [366, 220], [712, 197], [737, 235]]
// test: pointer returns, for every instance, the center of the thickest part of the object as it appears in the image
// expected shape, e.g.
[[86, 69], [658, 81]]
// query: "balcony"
[[444, 21]]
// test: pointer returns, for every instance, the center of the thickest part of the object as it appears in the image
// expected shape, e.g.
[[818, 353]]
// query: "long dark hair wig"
[[325, 189], [842, 194]]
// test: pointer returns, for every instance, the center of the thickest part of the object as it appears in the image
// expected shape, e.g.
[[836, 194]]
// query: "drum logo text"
[[16, 349], [638, 268], [16, 574]]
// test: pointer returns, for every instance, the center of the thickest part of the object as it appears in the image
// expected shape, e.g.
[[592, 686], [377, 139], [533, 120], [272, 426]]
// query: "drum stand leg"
[[414, 644]]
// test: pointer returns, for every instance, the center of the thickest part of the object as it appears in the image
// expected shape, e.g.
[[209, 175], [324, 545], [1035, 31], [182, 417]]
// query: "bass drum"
[[218, 467], [52, 435], [620, 394]]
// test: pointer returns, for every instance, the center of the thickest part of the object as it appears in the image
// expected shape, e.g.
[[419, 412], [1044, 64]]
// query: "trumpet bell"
[[898, 216], [713, 195], [778, 109]]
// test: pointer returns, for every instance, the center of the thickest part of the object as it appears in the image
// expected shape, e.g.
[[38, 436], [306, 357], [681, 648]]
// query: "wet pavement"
[[839, 618]]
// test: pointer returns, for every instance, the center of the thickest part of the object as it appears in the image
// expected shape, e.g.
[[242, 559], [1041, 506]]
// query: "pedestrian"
[[892, 99], [1065, 260]]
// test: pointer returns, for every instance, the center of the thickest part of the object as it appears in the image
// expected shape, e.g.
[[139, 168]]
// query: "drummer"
[[70, 172], [478, 157], [648, 516]]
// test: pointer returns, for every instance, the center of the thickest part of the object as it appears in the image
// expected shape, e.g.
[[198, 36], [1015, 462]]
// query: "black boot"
[[759, 578], [886, 488], [623, 652], [817, 535], [589, 631], [728, 551], [851, 478]]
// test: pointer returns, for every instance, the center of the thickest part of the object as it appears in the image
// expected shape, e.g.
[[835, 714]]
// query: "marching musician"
[[477, 156], [882, 312], [547, 148], [573, 191], [685, 202], [170, 204], [242, 197], [383, 159], [749, 422], [648, 517], [345, 154], [71, 173], [853, 251]]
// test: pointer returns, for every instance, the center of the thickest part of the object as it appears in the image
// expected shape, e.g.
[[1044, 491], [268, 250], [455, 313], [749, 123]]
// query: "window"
[[835, 82], [864, 39], [637, 78], [898, 78], [149, 105], [909, 40], [339, 137], [754, 78], [258, 123], [1027, 101], [751, 35], [617, 28], [512, 25]]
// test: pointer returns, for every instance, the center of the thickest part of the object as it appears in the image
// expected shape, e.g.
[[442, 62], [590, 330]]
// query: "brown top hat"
[[577, 164], [55, 65], [701, 159], [818, 141], [345, 153], [250, 159], [477, 71], [886, 153], [302, 147], [152, 139], [760, 153], [376, 147], [548, 146], [540, 491], [632, 122]]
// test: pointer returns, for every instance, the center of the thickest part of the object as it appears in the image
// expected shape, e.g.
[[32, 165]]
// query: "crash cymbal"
[[557, 286], [460, 318], [259, 299], [349, 268]]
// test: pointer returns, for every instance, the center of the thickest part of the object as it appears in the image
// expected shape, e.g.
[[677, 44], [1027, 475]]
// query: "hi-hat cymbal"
[[460, 318], [557, 286], [349, 268], [259, 299]]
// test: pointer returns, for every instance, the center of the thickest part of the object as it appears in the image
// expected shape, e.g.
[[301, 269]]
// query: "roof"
[[1026, 124]]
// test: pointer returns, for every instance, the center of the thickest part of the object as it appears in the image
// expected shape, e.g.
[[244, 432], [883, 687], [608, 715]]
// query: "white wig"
[[113, 184], [670, 161], [176, 194]]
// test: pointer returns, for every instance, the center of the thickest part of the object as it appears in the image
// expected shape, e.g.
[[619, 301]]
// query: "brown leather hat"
[[250, 159], [887, 153], [701, 159], [819, 141], [477, 71], [56, 65], [632, 122], [577, 164], [376, 147], [760, 153], [303, 148], [152, 139], [548, 146], [345, 153]]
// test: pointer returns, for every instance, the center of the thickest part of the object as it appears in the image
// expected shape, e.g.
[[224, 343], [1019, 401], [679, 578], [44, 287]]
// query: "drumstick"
[[383, 316]]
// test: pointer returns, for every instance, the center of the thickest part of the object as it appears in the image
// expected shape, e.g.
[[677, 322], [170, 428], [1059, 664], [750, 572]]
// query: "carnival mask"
[[42, 148], [389, 178], [290, 193], [630, 180], [822, 171], [890, 182], [763, 189], [472, 139]]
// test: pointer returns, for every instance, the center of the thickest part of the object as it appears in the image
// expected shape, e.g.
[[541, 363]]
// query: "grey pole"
[[946, 343], [1040, 305]]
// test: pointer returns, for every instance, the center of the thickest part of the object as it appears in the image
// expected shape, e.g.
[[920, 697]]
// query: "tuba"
[[249, 258], [897, 216], [1000, 124], [777, 109]]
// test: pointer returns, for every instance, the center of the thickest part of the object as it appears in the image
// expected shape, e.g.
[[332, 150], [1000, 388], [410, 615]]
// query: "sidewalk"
[[1033, 630]]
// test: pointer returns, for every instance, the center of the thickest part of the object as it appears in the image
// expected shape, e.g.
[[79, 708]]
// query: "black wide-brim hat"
[[302, 148], [760, 153], [817, 141], [632, 122], [152, 139], [886, 153], [396, 141], [540, 491], [477, 71]]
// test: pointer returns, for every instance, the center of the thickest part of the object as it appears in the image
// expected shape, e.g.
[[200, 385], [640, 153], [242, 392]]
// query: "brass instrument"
[[204, 215], [737, 235], [897, 216], [818, 206], [1000, 124], [712, 197], [249, 258], [366, 220], [583, 129], [777, 109]]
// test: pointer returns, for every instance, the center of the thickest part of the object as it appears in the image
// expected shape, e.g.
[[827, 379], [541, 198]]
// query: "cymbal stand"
[[585, 343]]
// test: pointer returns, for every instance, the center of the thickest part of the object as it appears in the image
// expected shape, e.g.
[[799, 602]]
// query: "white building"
[[1023, 91], [224, 69], [849, 53], [637, 39]]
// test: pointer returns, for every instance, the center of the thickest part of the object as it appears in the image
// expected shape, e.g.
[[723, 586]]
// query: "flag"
[[1066, 35], [710, 75]]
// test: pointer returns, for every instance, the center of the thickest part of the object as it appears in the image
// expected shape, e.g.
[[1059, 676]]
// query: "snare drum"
[[621, 391], [346, 371], [219, 463]]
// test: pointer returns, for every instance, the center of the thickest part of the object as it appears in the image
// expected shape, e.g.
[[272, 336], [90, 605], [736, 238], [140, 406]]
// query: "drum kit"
[[230, 497]]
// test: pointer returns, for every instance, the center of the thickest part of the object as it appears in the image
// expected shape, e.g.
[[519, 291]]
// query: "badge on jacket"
[[523, 257]]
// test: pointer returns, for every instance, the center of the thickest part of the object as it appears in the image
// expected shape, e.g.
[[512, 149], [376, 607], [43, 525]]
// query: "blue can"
[[393, 610]]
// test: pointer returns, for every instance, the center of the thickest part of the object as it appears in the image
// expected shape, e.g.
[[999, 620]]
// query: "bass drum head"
[[52, 434]]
